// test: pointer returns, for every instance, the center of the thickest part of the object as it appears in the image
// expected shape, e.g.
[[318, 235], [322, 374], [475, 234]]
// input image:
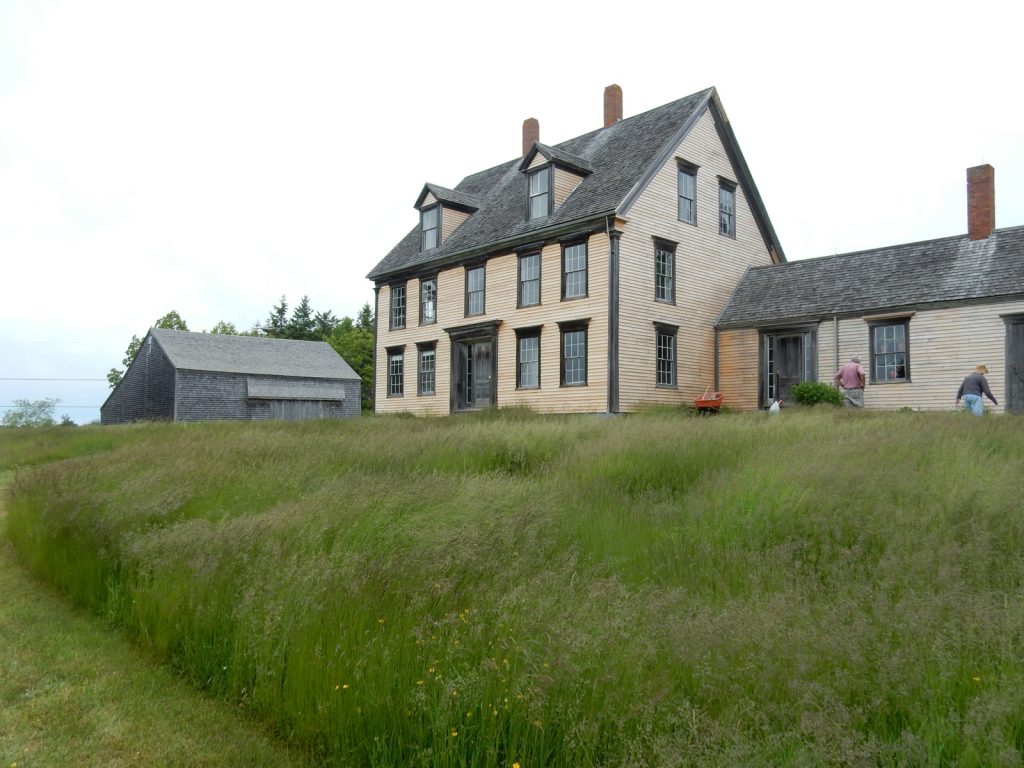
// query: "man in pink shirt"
[[851, 381]]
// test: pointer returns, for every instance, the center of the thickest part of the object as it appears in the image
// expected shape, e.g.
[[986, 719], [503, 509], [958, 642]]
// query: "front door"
[[1015, 364], [474, 374], [788, 358]]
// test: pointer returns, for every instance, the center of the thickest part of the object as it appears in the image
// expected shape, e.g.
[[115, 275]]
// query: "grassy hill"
[[813, 588]]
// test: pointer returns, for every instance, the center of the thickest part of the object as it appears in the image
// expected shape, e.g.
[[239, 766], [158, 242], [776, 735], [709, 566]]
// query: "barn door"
[[1015, 364], [296, 410]]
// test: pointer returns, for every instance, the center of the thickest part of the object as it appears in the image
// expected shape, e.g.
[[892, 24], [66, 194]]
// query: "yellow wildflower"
[[454, 732], [515, 765]]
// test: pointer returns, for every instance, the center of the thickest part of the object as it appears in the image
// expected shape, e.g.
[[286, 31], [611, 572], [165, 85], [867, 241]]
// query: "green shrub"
[[815, 393]]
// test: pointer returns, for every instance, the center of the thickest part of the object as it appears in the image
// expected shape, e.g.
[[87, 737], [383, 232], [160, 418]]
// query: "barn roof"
[[617, 161], [948, 270], [224, 353]]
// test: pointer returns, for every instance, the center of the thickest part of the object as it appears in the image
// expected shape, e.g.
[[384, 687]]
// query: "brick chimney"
[[612, 105], [531, 133], [981, 201]]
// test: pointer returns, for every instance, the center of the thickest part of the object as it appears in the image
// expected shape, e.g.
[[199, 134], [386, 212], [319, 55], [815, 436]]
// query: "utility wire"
[[56, 407], [5, 378]]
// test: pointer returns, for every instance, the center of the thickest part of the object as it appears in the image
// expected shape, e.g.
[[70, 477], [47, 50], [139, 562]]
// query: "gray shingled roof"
[[951, 269], [620, 156], [252, 355]]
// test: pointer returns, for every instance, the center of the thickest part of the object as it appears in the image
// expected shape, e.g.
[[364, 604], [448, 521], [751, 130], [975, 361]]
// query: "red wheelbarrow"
[[709, 402]]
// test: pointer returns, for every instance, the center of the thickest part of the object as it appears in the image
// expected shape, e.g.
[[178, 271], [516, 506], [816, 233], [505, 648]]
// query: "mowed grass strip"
[[73, 692], [819, 587]]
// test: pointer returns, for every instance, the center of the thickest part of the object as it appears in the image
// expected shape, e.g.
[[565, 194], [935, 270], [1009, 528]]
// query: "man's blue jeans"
[[973, 404]]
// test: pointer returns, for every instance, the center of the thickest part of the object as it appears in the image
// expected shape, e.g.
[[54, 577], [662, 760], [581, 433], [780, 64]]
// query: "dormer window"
[[540, 193], [430, 221]]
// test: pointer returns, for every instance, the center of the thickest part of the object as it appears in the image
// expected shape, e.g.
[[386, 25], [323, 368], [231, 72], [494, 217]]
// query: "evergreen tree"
[[302, 324], [277, 322], [353, 340]]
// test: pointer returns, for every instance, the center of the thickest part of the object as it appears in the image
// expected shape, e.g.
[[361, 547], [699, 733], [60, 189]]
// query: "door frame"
[[1013, 369], [809, 353], [466, 334]]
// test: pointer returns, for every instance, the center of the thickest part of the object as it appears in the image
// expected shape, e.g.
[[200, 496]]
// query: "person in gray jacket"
[[972, 388]]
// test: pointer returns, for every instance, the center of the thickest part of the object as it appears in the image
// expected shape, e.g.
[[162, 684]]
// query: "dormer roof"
[[560, 157], [449, 197]]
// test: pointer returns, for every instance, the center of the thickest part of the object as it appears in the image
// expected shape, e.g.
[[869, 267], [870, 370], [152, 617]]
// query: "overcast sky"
[[208, 157]]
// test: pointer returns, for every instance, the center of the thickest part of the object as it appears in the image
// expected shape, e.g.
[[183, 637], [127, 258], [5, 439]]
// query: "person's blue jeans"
[[973, 404]]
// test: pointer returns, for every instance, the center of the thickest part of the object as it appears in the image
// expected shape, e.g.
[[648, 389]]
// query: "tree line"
[[352, 338]]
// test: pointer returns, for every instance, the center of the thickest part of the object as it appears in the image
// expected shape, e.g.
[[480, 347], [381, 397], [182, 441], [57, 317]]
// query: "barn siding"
[[146, 391], [708, 267], [209, 395]]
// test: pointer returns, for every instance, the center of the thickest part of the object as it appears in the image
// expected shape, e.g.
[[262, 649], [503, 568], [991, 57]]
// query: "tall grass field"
[[815, 588]]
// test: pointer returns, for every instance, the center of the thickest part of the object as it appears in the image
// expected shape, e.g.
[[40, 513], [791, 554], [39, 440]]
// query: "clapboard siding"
[[428, 200], [738, 368], [565, 183], [708, 267], [451, 220], [945, 345], [500, 304]]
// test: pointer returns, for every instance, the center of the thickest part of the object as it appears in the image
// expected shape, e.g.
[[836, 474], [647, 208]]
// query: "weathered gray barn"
[[184, 376]]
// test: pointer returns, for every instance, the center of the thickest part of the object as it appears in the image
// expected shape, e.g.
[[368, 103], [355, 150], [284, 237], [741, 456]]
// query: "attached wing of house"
[[920, 316]]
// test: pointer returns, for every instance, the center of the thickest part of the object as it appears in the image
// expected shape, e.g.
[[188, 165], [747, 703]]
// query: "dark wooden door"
[[474, 374], [1015, 365], [483, 373], [789, 365]]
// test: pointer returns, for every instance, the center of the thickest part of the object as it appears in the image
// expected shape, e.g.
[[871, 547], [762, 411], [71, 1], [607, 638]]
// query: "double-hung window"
[[727, 208], [428, 301], [574, 271], [397, 306], [665, 354], [396, 371], [688, 194], [664, 271], [890, 351], [539, 193], [528, 358], [427, 368], [574, 353], [529, 280], [476, 283], [430, 223]]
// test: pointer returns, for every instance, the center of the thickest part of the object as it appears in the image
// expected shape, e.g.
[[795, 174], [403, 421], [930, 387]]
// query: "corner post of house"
[[376, 321], [614, 237], [715, 384]]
